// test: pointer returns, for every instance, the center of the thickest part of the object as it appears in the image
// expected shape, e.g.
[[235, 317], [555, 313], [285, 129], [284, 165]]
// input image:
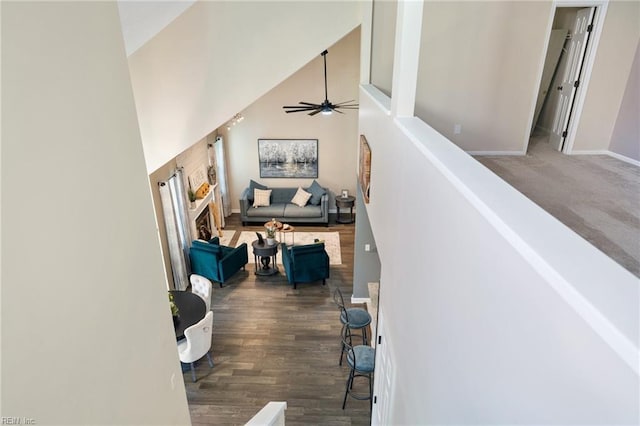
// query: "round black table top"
[[264, 249], [345, 201], [191, 309]]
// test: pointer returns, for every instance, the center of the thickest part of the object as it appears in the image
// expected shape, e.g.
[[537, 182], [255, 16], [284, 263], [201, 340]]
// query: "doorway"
[[574, 31]]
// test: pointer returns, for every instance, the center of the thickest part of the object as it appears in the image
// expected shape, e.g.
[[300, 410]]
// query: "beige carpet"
[[597, 196], [331, 243]]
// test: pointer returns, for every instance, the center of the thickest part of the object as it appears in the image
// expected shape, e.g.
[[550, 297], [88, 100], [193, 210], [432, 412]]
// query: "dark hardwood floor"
[[274, 343]]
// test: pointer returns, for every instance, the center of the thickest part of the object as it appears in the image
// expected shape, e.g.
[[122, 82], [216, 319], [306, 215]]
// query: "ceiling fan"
[[325, 107]]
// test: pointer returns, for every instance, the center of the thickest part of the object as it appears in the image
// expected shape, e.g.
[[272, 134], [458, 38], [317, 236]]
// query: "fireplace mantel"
[[201, 204]]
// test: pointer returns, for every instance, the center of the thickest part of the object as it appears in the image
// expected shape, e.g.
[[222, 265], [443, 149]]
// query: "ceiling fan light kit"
[[326, 107]]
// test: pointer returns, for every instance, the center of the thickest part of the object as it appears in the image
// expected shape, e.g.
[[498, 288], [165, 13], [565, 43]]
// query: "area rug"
[[331, 243], [226, 237]]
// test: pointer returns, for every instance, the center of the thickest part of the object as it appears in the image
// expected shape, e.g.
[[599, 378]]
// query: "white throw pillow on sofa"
[[261, 197], [301, 197]]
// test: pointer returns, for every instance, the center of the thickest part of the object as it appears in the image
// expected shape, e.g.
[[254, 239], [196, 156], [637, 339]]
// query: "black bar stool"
[[355, 318], [361, 361]]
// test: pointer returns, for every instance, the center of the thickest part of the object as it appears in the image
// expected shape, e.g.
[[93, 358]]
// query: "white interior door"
[[384, 377], [575, 58], [554, 49]]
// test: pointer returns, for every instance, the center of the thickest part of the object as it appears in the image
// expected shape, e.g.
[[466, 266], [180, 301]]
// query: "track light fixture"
[[234, 120]]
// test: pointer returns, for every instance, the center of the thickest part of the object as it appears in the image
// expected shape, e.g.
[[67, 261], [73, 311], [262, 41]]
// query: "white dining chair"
[[202, 287], [197, 343]]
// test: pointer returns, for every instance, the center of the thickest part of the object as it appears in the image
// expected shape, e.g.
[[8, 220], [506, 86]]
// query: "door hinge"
[[576, 84], [590, 28], [379, 340], [564, 134], [375, 399]]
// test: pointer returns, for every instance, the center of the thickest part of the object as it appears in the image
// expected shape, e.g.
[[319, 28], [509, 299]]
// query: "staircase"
[[271, 414]]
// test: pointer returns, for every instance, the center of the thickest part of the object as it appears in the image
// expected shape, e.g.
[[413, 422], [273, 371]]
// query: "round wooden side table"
[[287, 229], [343, 203]]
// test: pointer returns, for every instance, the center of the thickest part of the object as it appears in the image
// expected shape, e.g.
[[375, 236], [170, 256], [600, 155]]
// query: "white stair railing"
[[271, 414]]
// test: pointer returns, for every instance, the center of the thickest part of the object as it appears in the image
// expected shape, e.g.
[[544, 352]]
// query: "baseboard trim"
[[624, 158], [496, 152], [585, 152], [609, 153], [590, 152]]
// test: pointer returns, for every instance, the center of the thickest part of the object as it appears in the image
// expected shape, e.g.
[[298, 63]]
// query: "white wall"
[[491, 324], [142, 20], [479, 66], [218, 57], [382, 44], [626, 133], [609, 77], [87, 336], [337, 134], [498, 313]]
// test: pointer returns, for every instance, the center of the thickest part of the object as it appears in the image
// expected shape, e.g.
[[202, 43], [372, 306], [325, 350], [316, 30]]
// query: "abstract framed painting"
[[288, 158]]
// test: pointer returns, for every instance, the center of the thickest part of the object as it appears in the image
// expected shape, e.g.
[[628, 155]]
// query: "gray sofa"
[[282, 209]]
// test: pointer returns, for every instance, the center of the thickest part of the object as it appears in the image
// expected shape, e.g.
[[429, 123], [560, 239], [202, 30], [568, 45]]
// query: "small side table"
[[267, 255], [274, 223], [288, 230], [343, 203]]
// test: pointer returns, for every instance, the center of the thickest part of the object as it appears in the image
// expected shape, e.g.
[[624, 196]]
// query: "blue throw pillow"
[[316, 193], [254, 185]]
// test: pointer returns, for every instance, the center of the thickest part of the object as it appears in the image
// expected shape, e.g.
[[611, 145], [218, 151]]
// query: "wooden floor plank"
[[274, 343]]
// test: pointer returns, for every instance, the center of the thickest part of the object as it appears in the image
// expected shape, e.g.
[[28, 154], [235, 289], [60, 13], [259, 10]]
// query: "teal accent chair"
[[306, 263], [216, 262]]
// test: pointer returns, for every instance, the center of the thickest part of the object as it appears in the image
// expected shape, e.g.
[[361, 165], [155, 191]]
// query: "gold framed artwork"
[[364, 167]]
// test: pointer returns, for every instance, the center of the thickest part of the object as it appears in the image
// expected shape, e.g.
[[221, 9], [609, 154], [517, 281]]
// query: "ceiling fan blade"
[[299, 106], [336, 110], [347, 106], [315, 112], [310, 104], [300, 110], [346, 102]]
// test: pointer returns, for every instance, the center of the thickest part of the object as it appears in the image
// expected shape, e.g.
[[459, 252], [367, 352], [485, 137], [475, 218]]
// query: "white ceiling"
[[141, 20]]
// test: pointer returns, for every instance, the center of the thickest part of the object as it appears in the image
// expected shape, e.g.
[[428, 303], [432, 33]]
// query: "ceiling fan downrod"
[[326, 107], [326, 96]]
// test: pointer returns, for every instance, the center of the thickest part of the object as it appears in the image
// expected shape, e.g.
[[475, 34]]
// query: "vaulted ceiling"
[[192, 68], [142, 20]]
